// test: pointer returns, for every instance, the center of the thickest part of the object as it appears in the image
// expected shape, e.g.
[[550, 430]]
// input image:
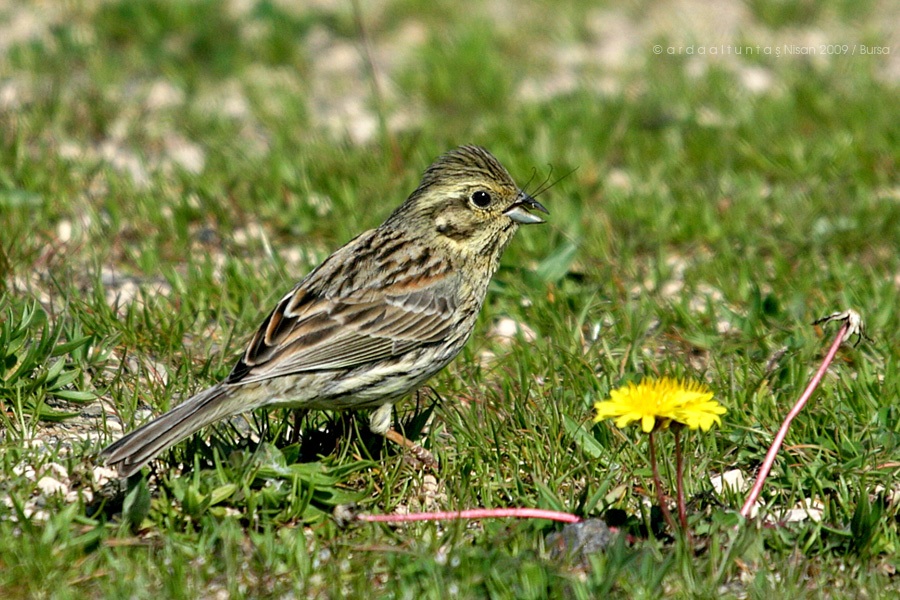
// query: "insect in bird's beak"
[[518, 212]]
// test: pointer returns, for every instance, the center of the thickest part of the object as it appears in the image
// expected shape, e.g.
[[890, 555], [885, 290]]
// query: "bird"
[[376, 319]]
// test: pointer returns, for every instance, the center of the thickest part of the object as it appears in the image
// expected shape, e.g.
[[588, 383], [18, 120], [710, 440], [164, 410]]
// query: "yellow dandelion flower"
[[661, 401]]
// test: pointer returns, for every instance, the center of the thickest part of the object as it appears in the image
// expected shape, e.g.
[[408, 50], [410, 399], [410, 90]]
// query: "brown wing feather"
[[312, 332]]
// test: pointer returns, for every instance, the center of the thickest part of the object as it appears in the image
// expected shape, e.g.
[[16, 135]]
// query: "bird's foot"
[[421, 454]]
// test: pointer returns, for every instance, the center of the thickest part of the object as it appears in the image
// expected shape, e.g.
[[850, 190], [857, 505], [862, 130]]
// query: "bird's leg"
[[298, 414], [380, 419], [421, 454], [380, 423]]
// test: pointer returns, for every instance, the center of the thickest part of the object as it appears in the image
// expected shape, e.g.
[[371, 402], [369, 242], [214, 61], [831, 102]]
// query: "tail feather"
[[133, 451]]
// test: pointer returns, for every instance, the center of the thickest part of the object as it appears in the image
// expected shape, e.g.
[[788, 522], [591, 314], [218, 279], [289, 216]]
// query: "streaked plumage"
[[377, 318]]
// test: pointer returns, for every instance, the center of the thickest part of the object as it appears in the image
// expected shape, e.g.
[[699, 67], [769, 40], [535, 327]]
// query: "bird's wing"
[[314, 332]]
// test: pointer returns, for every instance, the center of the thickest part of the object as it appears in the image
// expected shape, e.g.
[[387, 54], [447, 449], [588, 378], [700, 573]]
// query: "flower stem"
[[679, 482], [798, 406], [657, 483]]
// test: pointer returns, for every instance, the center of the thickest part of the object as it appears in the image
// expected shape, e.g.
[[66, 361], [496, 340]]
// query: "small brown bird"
[[376, 319]]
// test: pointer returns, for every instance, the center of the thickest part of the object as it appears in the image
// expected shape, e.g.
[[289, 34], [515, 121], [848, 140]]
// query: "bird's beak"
[[518, 212]]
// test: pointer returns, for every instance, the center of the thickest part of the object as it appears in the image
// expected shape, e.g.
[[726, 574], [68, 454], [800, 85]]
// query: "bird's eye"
[[481, 199]]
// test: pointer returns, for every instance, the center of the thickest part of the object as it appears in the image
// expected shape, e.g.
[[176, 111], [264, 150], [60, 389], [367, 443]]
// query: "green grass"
[[699, 230]]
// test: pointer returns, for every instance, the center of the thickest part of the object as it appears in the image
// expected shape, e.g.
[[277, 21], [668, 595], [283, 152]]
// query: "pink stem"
[[779, 438], [475, 513]]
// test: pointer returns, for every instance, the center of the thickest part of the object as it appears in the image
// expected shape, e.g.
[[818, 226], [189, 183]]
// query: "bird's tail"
[[133, 451]]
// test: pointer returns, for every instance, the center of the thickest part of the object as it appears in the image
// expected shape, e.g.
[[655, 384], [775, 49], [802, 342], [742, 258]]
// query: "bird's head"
[[468, 201]]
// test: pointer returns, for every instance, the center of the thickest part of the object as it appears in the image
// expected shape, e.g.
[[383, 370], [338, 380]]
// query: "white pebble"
[[102, 475], [734, 480], [505, 330], [49, 485]]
